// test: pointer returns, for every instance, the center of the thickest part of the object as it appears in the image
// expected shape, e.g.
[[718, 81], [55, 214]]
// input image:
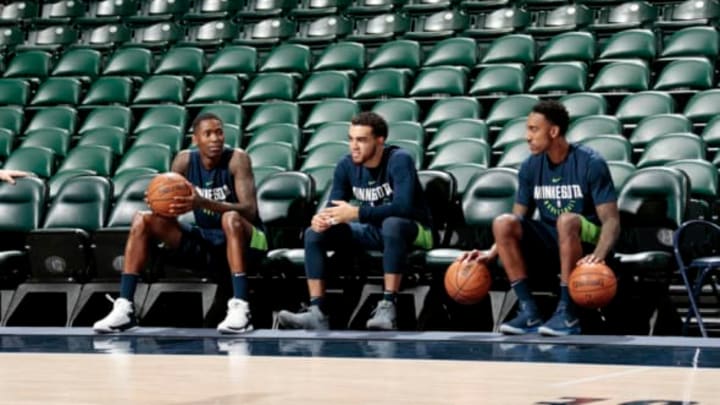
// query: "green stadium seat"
[[453, 52], [425, 6], [440, 81], [514, 155], [11, 119], [233, 135], [96, 158], [400, 54], [260, 9], [703, 106], [204, 10], [322, 31], [499, 80], [494, 23], [322, 85], [397, 109], [109, 90], [692, 42], [463, 128], [10, 38], [513, 131], [630, 44], [109, 11], [464, 174], [569, 47], [592, 126], [635, 107], [624, 16], [322, 177], [686, 75], [211, 35], [55, 139], [277, 133], [711, 133], [329, 132], [83, 63], [161, 90], [570, 17], [584, 104], [160, 10], [7, 142], [30, 64], [383, 83], [280, 155], [656, 125], [235, 59], [331, 110], [672, 146], [272, 113], [262, 173], [105, 37], [266, 33], [112, 137], [620, 172], [450, 109], [166, 135], [158, 36], [163, 114], [230, 114], [15, 12], [413, 148], [703, 178], [406, 132], [153, 156], [689, 13], [511, 48], [54, 117], [373, 7], [22, 207], [129, 62], [317, 8], [215, 89], [514, 106], [122, 183], [52, 39], [341, 56], [613, 148], [461, 151], [372, 29], [560, 77], [438, 26], [110, 116], [33, 159], [182, 61], [271, 86], [58, 91], [288, 58], [324, 155], [14, 92], [57, 181]]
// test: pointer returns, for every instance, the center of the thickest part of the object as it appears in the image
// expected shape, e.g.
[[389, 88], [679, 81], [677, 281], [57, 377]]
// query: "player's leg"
[[145, 227]]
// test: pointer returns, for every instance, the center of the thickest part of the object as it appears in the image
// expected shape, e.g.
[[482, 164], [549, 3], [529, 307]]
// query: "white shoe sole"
[[109, 330], [232, 331]]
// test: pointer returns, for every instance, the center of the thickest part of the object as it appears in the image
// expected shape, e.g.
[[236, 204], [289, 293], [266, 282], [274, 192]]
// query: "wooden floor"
[[27, 378]]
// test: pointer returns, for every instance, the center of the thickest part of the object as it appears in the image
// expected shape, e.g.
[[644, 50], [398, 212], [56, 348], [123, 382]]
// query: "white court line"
[[602, 377]]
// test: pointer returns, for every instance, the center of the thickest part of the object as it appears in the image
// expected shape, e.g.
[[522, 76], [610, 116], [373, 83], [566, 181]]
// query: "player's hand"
[[10, 175], [590, 259], [320, 222], [183, 204], [342, 212], [475, 255]]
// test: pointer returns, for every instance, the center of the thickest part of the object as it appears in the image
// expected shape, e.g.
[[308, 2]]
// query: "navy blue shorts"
[[540, 247]]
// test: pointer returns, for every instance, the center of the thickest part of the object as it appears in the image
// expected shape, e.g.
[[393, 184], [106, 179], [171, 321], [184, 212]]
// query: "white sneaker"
[[120, 319], [237, 319]]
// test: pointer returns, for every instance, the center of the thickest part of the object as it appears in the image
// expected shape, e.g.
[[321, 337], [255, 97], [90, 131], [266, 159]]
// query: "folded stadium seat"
[[433, 83], [57, 181], [263, 9], [628, 15], [276, 112], [166, 135], [37, 160], [689, 13], [584, 104], [22, 205], [113, 137], [335, 132], [158, 36], [55, 139], [233, 136], [129, 62], [162, 89], [52, 39], [513, 131], [560, 78], [11, 119], [154, 156], [54, 117], [330, 111], [703, 106], [10, 38], [464, 174], [324, 85], [499, 80], [18, 12], [505, 109], [634, 44], [406, 132], [485, 4], [376, 29], [575, 46], [397, 109], [450, 109], [33, 65], [215, 89], [691, 42], [426, 6], [620, 172], [374, 7], [544, 4], [109, 116], [154, 11], [230, 114], [212, 34], [206, 10], [61, 248], [686, 77], [124, 180], [652, 204], [635, 107], [514, 154], [613, 148], [461, 151], [109, 90], [274, 154], [571, 17], [162, 114], [438, 26], [108, 12], [399, 54], [270, 86], [711, 134], [182, 61], [510, 49], [592, 126], [622, 77], [463, 128], [453, 52], [383, 83], [306, 9], [495, 23], [672, 146], [288, 58], [262, 173], [81, 63], [277, 133], [267, 33], [320, 165], [104, 37], [109, 246], [655, 125], [322, 31], [343, 56], [234, 59], [15, 92], [703, 185], [97, 158], [57, 91]]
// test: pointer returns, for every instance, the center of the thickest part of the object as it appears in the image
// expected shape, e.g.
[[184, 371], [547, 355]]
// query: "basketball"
[[162, 189], [467, 282], [592, 285]]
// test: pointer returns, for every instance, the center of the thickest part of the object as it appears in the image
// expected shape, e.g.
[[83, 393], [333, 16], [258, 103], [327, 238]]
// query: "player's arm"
[[181, 162], [609, 232]]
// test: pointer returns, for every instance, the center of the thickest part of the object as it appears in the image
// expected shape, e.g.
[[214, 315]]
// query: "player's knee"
[[505, 226], [140, 224], [233, 223], [568, 224], [394, 226], [312, 237]]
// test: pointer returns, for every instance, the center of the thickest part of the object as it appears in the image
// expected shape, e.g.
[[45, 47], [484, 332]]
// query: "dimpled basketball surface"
[[467, 282], [162, 189], [592, 285]]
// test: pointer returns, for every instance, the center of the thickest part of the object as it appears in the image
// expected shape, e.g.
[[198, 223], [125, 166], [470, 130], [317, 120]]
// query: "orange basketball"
[[592, 285], [162, 189], [467, 282]]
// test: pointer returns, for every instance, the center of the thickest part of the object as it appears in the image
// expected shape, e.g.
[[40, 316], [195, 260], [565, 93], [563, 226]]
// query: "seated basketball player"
[[10, 175], [579, 222], [228, 227], [391, 215]]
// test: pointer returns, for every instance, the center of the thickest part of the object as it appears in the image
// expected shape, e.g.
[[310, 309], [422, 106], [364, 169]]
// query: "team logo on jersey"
[[373, 195], [215, 194], [558, 199]]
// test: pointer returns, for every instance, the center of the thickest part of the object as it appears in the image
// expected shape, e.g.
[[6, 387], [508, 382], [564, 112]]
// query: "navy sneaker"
[[525, 322], [562, 323]]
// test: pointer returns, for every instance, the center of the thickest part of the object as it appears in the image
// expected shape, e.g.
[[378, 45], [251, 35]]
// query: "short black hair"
[[204, 117], [555, 112], [372, 120]]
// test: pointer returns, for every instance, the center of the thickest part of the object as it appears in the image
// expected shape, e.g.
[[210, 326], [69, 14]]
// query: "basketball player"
[[10, 175], [579, 222], [228, 227], [390, 214]]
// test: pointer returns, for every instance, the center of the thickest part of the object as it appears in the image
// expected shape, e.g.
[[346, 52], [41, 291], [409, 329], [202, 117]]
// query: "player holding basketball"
[[228, 227], [579, 222], [392, 216]]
